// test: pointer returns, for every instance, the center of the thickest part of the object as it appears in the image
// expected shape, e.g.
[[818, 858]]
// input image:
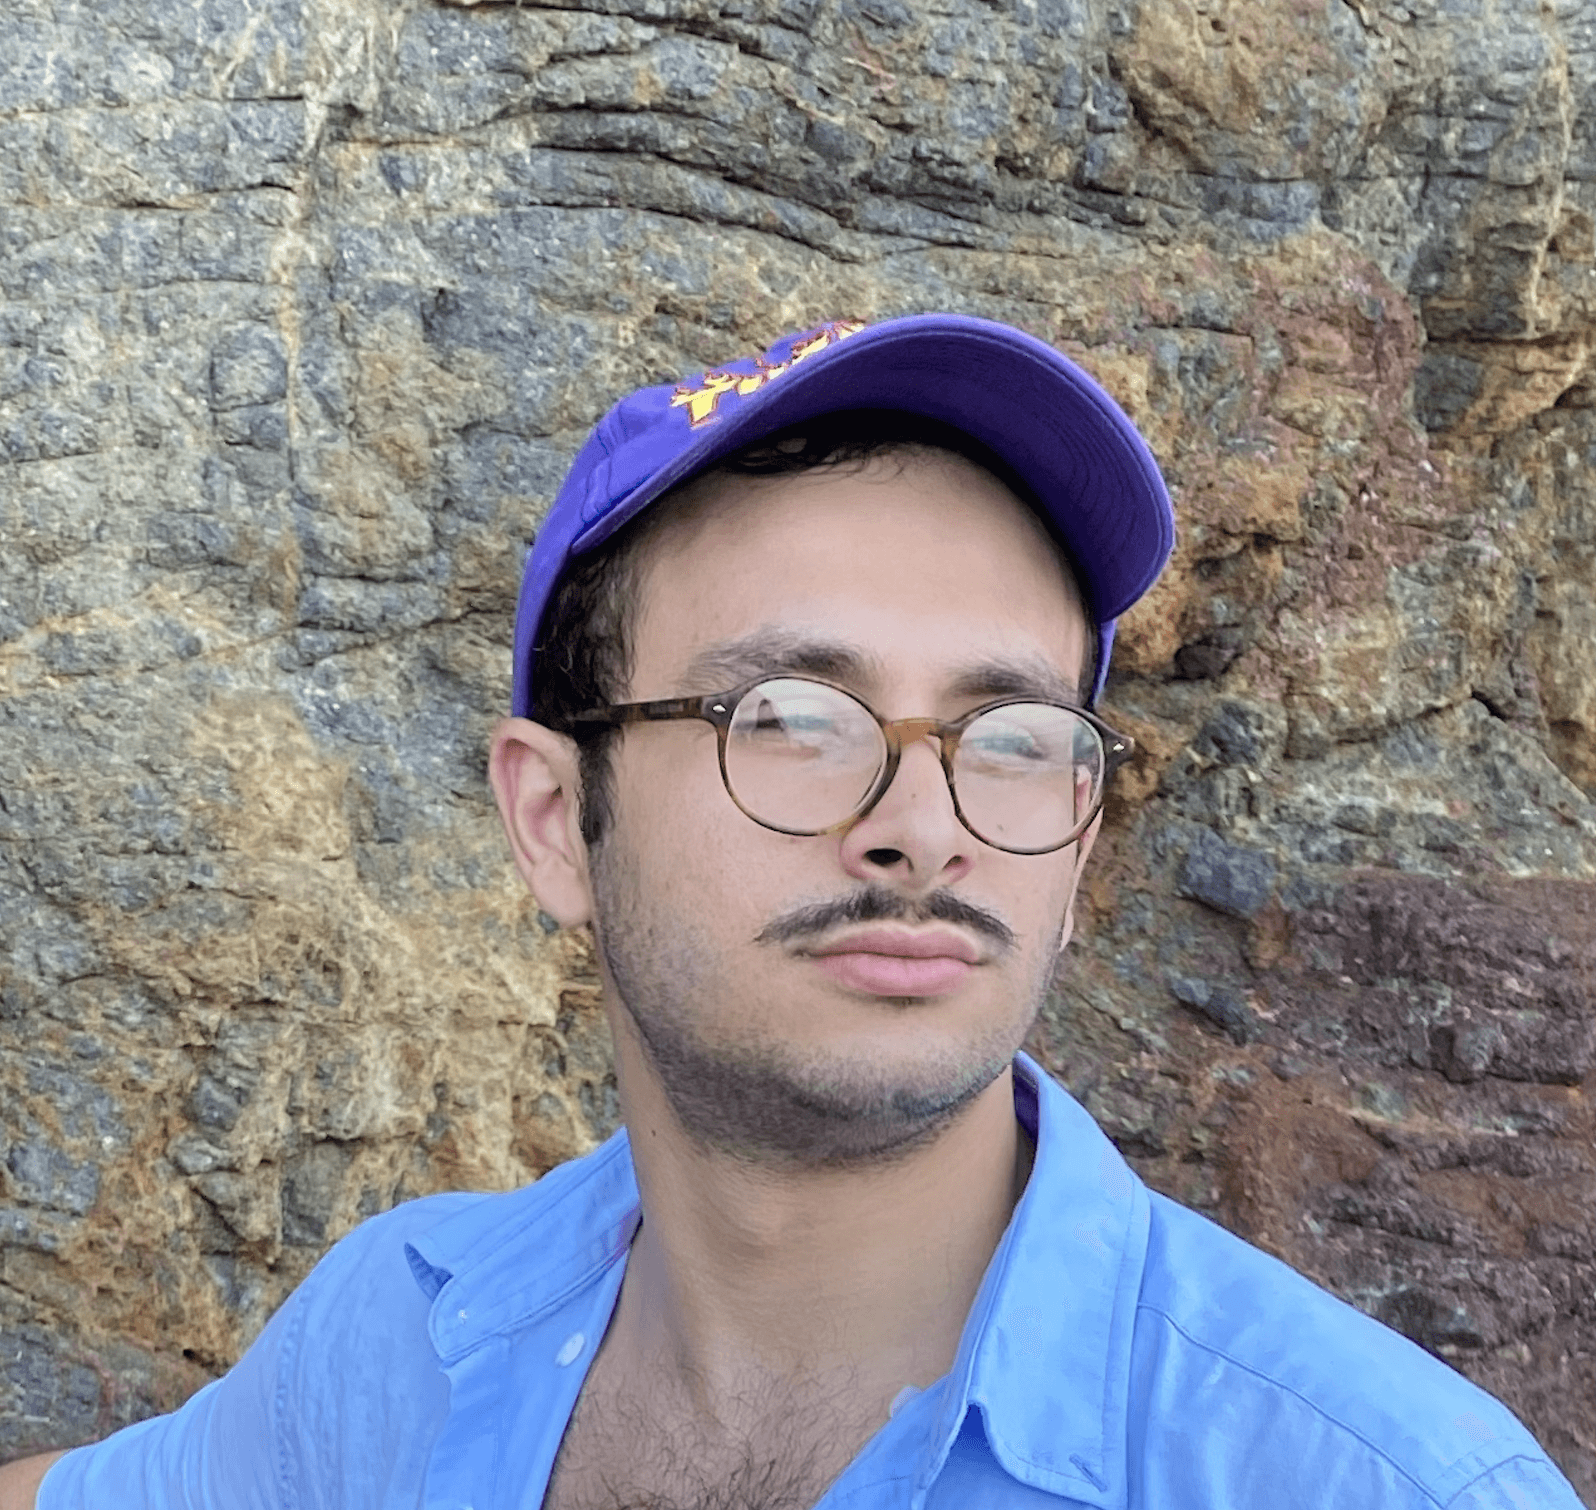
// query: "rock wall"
[[305, 306]]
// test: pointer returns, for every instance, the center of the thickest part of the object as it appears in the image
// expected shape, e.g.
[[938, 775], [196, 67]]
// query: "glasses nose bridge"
[[907, 731], [900, 734], [903, 733]]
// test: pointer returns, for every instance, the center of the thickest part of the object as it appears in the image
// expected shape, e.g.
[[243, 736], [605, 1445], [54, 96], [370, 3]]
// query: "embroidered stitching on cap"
[[701, 401]]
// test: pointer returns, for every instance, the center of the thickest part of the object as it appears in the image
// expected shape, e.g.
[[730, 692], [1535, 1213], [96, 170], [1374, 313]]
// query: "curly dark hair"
[[584, 653]]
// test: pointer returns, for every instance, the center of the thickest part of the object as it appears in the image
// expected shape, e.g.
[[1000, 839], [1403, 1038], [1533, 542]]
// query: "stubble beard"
[[760, 1102]]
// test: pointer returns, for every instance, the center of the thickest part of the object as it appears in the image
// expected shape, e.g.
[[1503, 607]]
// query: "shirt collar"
[[1046, 1349], [509, 1260], [1046, 1352]]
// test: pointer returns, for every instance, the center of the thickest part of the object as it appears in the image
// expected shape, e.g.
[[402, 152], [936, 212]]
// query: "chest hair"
[[618, 1453]]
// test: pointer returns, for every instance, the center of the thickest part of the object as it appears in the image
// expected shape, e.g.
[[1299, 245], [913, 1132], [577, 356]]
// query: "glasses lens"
[[802, 756], [1028, 775]]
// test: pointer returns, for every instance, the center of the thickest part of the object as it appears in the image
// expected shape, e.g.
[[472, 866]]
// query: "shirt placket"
[[466, 1459]]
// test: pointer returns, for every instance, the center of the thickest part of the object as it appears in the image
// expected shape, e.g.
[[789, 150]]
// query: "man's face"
[[924, 587]]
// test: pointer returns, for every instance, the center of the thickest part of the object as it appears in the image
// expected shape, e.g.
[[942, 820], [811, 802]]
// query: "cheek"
[[1047, 900], [685, 832], [667, 778]]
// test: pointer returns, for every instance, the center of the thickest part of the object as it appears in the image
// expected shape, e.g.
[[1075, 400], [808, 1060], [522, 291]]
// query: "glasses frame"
[[718, 708]]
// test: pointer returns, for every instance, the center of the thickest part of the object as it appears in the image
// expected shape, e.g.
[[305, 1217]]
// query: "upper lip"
[[928, 943]]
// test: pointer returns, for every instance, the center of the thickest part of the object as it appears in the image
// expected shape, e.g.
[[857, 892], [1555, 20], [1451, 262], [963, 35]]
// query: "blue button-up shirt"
[[1123, 1353]]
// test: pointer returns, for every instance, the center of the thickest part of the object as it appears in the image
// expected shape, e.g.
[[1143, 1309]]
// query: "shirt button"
[[570, 1348]]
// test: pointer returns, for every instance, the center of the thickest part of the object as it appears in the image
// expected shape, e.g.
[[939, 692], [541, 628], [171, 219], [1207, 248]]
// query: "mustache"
[[875, 904]]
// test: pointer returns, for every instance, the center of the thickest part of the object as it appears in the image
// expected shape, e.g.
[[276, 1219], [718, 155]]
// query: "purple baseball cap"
[[1061, 433]]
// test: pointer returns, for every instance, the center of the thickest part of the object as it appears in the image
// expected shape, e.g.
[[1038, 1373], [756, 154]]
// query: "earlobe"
[[534, 777]]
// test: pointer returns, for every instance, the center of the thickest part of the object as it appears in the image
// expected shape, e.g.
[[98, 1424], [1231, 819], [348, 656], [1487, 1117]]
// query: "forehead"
[[911, 556]]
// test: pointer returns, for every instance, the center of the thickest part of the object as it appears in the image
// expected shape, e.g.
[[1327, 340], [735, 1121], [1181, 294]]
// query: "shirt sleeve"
[[334, 1406], [223, 1448], [1524, 1483]]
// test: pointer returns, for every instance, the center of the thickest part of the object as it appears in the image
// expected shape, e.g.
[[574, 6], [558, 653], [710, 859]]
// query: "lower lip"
[[895, 974]]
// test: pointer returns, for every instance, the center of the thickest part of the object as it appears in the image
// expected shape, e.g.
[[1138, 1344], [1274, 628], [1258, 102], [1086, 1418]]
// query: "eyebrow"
[[771, 651], [1026, 676]]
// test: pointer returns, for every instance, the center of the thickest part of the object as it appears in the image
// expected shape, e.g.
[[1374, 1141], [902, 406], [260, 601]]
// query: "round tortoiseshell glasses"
[[801, 756]]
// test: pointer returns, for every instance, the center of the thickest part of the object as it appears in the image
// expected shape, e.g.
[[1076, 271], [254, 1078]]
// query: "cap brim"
[[1051, 422]]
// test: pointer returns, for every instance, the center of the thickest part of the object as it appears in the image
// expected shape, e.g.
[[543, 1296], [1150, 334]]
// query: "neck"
[[857, 1280]]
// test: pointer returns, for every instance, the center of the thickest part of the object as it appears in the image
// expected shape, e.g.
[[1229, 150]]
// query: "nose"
[[912, 837]]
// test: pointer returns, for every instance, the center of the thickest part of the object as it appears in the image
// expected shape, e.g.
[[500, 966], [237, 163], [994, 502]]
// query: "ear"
[[1083, 847], [534, 777]]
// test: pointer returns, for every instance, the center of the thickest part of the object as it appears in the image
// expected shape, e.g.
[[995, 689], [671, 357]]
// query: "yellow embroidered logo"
[[700, 402]]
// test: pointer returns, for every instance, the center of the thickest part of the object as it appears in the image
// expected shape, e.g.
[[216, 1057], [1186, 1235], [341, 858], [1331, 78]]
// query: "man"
[[802, 663]]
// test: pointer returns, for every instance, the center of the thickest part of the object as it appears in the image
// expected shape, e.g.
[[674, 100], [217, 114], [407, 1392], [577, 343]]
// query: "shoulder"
[[377, 1292], [357, 1380], [1253, 1376], [341, 1376], [366, 1305], [342, 1396], [379, 1243]]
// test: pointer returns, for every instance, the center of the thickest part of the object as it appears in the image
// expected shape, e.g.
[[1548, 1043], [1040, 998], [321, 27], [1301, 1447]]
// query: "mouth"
[[898, 961]]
